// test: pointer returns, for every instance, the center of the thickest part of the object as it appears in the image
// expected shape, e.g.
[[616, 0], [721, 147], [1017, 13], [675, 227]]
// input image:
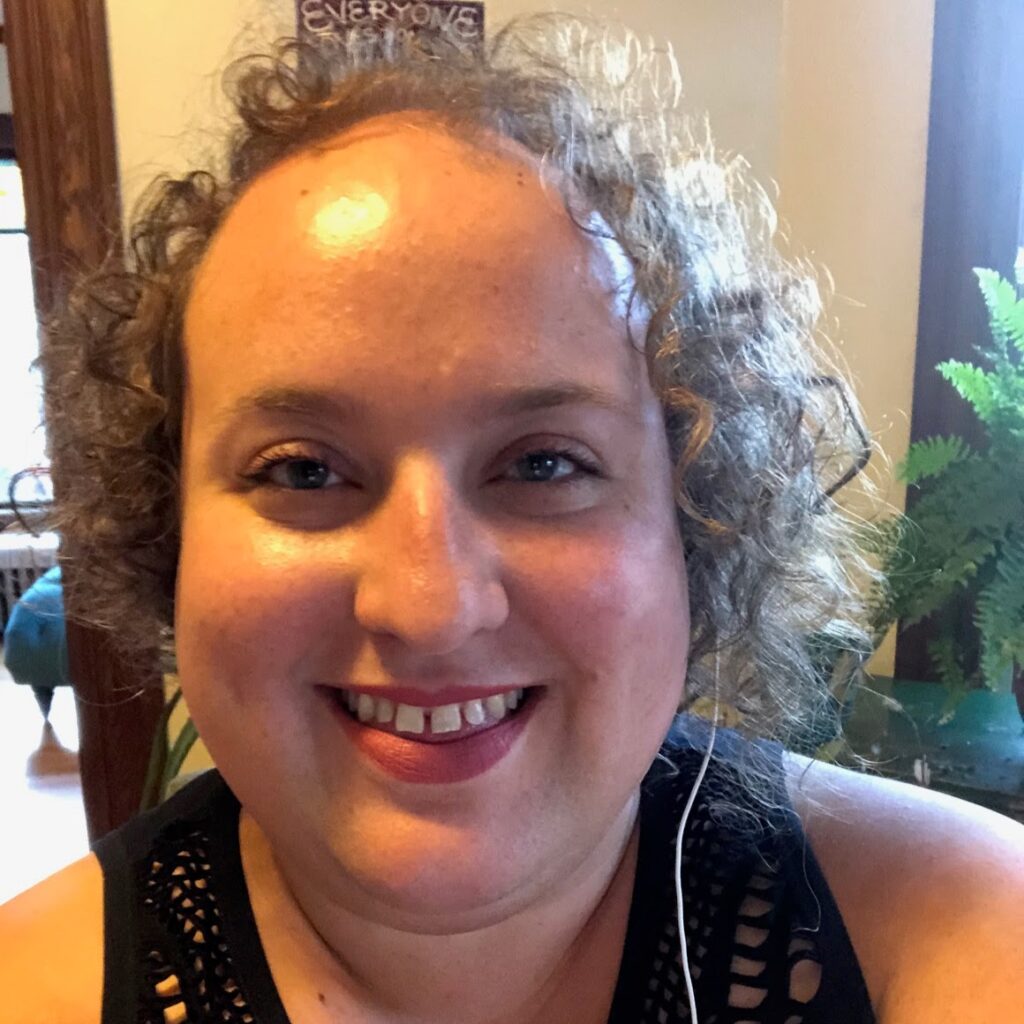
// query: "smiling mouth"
[[444, 723]]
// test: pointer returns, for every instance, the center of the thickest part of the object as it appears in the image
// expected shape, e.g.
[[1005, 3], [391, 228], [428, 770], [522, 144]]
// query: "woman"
[[439, 438]]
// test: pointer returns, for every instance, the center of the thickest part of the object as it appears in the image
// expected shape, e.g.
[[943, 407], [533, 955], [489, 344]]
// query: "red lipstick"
[[434, 759]]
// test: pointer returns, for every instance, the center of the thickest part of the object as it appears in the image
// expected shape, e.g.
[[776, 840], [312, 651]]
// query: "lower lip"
[[410, 760]]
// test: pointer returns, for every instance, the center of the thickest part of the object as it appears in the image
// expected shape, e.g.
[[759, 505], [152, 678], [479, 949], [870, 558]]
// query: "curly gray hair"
[[729, 343]]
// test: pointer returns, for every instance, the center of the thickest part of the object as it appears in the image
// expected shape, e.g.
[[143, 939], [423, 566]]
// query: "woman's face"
[[424, 469]]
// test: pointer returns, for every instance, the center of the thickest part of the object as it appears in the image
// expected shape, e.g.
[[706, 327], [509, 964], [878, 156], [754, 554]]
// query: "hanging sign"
[[342, 22]]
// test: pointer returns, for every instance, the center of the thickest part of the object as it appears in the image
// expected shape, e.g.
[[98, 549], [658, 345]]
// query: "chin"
[[441, 881], [449, 910]]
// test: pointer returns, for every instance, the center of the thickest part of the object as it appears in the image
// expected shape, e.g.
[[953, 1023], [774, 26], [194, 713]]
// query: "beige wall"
[[827, 97], [166, 56], [166, 60], [853, 136], [729, 52]]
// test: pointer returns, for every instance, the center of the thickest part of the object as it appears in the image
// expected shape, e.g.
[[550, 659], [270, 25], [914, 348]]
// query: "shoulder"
[[931, 890], [51, 949]]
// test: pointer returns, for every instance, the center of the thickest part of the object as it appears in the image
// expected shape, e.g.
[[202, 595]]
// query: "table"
[[978, 755]]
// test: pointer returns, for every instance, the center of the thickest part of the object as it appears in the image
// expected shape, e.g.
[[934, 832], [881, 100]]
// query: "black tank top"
[[766, 943]]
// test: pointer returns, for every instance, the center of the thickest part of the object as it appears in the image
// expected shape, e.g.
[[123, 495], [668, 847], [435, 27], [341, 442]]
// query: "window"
[[22, 441]]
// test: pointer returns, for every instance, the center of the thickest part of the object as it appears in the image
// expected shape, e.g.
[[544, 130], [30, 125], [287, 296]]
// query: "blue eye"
[[305, 474], [546, 466], [294, 473]]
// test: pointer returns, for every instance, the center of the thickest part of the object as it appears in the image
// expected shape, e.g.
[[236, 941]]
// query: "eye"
[[551, 466], [293, 472]]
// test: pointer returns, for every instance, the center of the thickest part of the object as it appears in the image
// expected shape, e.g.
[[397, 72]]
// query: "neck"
[[555, 959]]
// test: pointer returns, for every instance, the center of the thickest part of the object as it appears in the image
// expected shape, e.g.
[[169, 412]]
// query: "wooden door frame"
[[66, 146]]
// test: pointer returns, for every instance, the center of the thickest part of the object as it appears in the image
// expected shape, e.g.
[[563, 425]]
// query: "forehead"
[[399, 239]]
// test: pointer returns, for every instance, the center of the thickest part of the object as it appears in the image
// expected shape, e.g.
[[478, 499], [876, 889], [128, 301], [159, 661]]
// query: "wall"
[[166, 56], [828, 98], [853, 136], [166, 60], [729, 52]]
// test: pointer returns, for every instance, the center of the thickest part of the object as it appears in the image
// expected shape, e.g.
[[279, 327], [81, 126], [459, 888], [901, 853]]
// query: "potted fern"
[[965, 532]]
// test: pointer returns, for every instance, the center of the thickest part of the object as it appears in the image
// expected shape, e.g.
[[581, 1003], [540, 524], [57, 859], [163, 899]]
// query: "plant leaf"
[[1005, 310], [973, 384], [930, 458], [999, 614]]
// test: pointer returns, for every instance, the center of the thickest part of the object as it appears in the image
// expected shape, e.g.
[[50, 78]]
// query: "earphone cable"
[[679, 857]]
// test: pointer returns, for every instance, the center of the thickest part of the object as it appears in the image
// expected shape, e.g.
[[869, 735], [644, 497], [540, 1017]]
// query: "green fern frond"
[[1010, 569], [931, 586], [954, 698], [930, 458], [946, 662], [1005, 310], [948, 667], [999, 614], [973, 384], [979, 496], [992, 623], [965, 528]]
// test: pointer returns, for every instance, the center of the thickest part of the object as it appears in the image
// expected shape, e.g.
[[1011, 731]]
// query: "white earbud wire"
[[679, 856]]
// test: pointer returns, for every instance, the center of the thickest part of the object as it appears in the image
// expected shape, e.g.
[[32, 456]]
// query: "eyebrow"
[[503, 405], [560, 393], [291, 402]]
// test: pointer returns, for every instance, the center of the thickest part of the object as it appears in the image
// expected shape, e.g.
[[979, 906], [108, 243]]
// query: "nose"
[[429, 570]]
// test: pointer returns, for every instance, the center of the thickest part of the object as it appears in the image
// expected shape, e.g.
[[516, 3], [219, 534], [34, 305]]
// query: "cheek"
[[252, 598], [617, 604], [257, 606]]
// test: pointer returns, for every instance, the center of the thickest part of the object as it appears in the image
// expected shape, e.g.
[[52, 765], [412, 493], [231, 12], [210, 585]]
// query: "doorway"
[[62, 123]]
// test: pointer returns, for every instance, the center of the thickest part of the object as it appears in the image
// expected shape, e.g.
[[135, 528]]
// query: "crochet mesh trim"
[[189, 978], [760, 961], [752, 959]]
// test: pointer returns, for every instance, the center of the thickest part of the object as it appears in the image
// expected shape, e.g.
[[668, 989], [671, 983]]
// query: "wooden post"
[[65, 144]]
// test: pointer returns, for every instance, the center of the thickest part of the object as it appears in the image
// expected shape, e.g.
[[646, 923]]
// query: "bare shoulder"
[[51, 949], [931, 890]]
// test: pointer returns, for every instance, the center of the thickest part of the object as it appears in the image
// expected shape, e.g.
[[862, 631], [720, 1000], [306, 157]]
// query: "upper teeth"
[[443, 718]]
